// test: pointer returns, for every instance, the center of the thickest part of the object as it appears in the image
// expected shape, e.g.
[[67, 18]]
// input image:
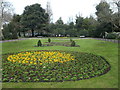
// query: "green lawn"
[[108, 50]]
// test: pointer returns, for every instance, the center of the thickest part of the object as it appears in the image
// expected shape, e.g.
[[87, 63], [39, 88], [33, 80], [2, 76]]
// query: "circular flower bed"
[[48, 66]]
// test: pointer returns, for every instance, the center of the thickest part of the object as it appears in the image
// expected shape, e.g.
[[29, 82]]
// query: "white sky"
[[61, 8]]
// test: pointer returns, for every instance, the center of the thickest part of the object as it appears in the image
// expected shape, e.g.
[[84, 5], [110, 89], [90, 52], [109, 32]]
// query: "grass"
[[108, 50]]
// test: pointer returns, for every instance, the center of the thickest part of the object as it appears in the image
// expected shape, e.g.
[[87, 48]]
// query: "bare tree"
[[49, 11], [6, 13]]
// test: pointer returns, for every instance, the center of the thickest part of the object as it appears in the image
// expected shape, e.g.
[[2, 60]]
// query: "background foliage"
[[35, 21]]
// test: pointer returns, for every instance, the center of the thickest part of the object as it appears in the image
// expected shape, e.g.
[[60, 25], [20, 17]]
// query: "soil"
[[67, 44]]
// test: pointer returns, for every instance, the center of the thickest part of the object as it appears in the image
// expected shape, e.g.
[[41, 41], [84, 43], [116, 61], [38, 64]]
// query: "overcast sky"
[[61, 8]]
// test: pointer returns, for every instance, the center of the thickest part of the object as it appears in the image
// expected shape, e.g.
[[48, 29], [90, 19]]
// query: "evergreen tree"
[[34, 17]]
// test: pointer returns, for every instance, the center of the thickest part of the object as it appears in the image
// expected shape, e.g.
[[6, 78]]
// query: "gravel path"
[[38, 38], [13, 40], [110, 40]]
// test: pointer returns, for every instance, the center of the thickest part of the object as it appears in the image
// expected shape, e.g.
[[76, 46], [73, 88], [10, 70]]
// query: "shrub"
[[52, 79], [9, 31], [71, 40], [73, 43], [49, 40], [74, 78], [39, 43], [111, 36]]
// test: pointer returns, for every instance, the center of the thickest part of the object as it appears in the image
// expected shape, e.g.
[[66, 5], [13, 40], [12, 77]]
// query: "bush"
[[49, 40], [71, 40], [111, 36], [73, 43], [39, 43], [9, 31]]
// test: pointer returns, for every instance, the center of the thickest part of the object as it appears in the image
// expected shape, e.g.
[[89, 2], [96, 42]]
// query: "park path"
[[110, 40], [37, 38], [13, 40]]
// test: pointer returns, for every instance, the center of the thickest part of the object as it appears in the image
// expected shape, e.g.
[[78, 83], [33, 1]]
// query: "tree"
[[92, 26], [118, 6], [104, 14], [10, 31], [60, 21], [89, 26], [115, 21], [6, 10], [12, 28], [83, 25], [79, 23], [70, 29], [16, 20], [60, 26], [116, 16], [49, 11], [71, 25], [86, 23], [34, 17], [50, 18]]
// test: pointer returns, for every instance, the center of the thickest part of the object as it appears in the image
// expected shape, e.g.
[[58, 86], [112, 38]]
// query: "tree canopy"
[[104, 17], [36, 21], [34, 17]]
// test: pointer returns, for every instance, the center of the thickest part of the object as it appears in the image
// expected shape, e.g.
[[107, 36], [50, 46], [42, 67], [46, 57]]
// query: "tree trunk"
[[1, 34], [19, 34], [32, 33], [24, 34]]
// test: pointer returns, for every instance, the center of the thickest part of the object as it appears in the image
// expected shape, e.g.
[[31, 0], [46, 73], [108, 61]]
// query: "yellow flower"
[[19, 61], [61, 61], [23, 61], [43, 57], [50, 60], [31, 62], [35, 63], [13, 60], [27, 61], [40, 63]]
